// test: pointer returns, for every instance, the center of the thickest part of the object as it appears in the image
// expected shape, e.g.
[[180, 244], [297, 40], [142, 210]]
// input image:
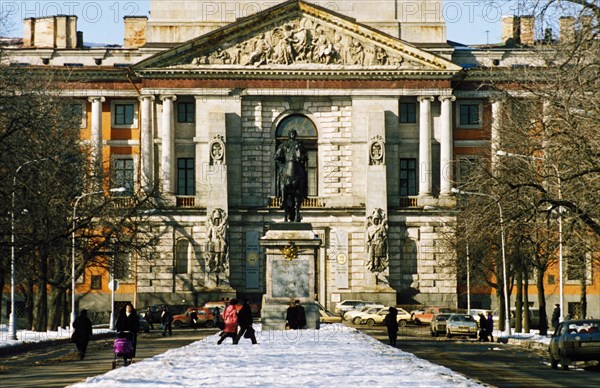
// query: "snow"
[[27, 336]]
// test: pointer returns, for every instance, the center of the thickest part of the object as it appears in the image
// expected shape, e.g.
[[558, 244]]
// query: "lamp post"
[[560, 228], [506, 301], [117, 190], [12, 321]]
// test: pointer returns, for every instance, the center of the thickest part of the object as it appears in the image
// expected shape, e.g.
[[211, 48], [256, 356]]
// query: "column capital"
[[96, 99], [168, 97], [447, 98], [150, 97], [425, 98]]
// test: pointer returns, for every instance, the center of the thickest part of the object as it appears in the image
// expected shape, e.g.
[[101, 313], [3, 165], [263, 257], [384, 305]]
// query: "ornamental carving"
[[217, 151], [217, 245], [377, 237], [377, 151], [301, 41]]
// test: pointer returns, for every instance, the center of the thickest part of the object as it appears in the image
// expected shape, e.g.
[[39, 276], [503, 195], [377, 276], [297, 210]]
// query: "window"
[[185, 177], [408, 112], [307, 133], [408, 177], [123, 173], [77, 112], [96, 282], [469, 114], [186, 112], [181, 256], [124, 114]]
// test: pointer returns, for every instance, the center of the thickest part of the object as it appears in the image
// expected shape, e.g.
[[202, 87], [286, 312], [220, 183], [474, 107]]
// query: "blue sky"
[[468, 21]]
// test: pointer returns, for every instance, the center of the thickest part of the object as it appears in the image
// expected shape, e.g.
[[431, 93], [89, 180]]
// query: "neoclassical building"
[[202, 93]]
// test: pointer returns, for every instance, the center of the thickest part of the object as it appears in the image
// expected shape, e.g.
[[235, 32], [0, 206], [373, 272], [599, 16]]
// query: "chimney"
[[60, 31], [527, 30], [72, 32], [510, 29], [79, 43], [44, 32], [135, 31], [567, 29], [28, 32]]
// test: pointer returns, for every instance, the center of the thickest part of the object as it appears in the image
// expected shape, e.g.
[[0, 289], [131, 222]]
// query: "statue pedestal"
[[292, 250]]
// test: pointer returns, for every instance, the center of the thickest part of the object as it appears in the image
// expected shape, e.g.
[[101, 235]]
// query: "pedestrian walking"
[[231, 322], [82, 333], [482, 328], [194, 318], [391, 322], [149, 318], [166, 321], [300, 315], [216, 312], [490, 325], [129, 321], [295, 316], [245, 324], [555, 316]]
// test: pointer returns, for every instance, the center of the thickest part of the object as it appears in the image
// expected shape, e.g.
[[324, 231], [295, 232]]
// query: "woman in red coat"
[[231, 322]]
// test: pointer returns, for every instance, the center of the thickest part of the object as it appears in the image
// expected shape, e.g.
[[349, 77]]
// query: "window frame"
[[83, 105], [415, 170], [187, 119], [96, 282], [115, 183], [113, 111], [192, 176], [458, 115], [408, 120]]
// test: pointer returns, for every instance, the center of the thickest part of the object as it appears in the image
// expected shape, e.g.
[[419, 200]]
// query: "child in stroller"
[[123, 348]]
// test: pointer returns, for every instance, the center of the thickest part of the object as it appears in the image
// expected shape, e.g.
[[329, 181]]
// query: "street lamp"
[[116, 190], [12, 321], [560, 228], [506, 301]]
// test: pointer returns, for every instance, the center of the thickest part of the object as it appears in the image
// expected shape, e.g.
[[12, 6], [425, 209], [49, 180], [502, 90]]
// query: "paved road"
[[495, 364], [59, 365]]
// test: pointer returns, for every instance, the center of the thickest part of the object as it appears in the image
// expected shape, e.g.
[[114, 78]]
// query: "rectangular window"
[[408, 177], [123, 173], [124, 114], [469, 114], [311, 172], [408, 113], [96, 282], [186, 112], [185, 177]]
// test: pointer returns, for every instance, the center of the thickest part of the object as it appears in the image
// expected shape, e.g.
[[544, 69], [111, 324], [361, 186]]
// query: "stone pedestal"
[[292, 250]]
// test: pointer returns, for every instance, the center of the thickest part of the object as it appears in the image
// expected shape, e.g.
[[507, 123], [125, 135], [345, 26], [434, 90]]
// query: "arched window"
[[307, 132], [182, 248]]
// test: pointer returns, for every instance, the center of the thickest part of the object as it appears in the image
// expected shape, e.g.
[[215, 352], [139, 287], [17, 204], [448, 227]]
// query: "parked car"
[[379, 317], [144, 325], [577, 340], [347, 305], [461, 324], [205, 318], [438, 324], [428, 313], [328, 317], [355, 316]]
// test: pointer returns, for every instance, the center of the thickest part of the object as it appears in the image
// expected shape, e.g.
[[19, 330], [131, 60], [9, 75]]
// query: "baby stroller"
[[123, 348]]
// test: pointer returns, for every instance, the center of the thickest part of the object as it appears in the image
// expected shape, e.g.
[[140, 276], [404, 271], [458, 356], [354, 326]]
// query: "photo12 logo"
[[87, 11]]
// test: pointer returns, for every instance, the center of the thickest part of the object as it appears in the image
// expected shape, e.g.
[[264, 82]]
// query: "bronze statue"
[[291, 176]]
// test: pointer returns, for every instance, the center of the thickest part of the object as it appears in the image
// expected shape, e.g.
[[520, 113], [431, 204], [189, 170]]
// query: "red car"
[[205, 317], [428, 313]]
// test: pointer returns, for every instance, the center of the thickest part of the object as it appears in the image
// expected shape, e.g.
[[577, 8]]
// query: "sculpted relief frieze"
[[303, 42]]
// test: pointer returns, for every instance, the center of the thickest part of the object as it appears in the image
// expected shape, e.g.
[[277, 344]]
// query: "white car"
[[355, 316], [347, 305], [461, 324], [379, 317]]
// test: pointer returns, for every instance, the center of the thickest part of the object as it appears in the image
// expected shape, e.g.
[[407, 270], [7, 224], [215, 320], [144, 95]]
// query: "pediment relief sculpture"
[[303, 42]]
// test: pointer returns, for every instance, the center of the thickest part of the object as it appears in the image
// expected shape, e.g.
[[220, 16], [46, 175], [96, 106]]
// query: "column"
[[497, 108], [425, 181], [147, 143], [446, 168], [168, 140], [96, 137]]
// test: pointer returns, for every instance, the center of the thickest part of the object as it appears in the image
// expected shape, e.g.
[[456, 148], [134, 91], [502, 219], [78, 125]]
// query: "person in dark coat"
[[128, 321], [194, 319], [166, 321], [291, 320], [555, 317], [391, 322], [149, 318], [82, 333], [300, 315], [490, 325], [245, 324], [482, 328], [216, 312]]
